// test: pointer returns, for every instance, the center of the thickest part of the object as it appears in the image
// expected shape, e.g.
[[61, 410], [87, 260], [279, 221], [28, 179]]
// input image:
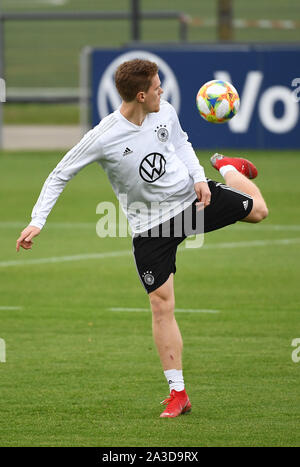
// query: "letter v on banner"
[[240, 123]]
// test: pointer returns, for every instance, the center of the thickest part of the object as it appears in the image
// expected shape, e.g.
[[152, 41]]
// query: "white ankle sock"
[[226, 168], [175, 379]]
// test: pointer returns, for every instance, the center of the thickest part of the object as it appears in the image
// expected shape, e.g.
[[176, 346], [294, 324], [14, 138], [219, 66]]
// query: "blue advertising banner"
[[266, 77]]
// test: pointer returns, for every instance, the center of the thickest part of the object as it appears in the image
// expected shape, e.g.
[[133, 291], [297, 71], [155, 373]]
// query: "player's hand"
[[203, 194], [25, 239]]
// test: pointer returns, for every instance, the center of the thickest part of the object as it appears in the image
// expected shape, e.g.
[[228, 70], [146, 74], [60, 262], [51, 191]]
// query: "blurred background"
[[73, 315], [40, 52]]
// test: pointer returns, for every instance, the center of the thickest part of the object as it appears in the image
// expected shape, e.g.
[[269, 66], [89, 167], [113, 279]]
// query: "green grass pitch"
[[57, 44], [77, 374]]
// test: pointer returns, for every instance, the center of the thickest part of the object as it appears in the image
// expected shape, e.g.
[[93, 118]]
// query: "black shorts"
[[155, 250]]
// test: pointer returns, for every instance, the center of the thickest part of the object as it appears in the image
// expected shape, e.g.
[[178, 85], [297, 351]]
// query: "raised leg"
[[237, 173], [237, 180]]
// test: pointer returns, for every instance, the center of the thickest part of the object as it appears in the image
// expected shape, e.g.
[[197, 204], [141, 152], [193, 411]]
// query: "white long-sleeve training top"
[[152, 168]]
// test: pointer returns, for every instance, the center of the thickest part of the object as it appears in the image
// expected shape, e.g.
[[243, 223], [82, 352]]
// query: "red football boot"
[[244, 166], [177, 403]]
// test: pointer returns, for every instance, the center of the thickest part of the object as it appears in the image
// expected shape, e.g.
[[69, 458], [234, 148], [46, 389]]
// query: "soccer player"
[[148, 157]]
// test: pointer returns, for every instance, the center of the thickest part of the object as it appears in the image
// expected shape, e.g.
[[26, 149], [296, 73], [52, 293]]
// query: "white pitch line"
[[38, 2], [113, 254], [50, 225], [11, 308], [64, 259], [247, 226], [92, 226], [283, 241], [177, 310]]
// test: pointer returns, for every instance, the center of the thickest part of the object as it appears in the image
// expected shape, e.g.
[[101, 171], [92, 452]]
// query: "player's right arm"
[[88, 150], [26, 236]]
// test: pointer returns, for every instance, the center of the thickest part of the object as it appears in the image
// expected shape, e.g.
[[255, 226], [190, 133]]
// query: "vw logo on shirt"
[[152, 167]]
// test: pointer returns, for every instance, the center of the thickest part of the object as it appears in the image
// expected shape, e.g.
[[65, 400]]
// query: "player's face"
[[152, 96]]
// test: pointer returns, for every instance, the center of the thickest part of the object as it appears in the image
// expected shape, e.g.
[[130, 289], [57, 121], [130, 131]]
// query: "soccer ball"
[[217, 101]]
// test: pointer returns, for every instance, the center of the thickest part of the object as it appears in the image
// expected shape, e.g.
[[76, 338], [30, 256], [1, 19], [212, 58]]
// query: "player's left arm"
[[187, 155], [203, 194]]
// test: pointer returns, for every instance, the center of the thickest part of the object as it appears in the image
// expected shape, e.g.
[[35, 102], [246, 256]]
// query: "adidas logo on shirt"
[[127, 151], [245, 203]]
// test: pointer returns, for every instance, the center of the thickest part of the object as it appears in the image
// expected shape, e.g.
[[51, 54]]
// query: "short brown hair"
[[134, 76]]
